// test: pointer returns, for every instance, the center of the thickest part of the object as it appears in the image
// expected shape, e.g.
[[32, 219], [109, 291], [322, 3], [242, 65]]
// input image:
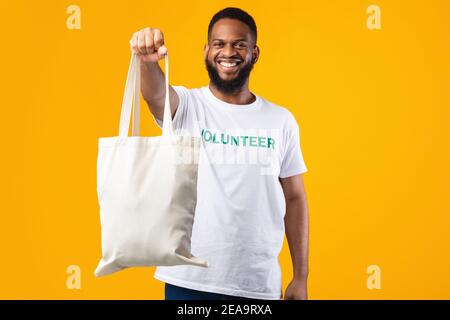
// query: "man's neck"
[[241, 96]]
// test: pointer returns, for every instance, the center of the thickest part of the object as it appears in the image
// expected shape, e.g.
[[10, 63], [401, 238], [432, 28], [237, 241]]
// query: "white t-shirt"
[[239, 218]]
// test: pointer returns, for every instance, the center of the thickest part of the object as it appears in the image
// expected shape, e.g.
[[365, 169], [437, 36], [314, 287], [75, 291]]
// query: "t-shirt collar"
[[217, 102]]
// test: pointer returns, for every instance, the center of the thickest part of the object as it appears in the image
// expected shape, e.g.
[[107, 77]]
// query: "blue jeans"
[[173, 292]]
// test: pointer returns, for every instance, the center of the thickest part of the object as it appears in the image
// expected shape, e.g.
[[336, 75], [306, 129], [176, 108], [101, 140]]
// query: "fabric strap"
[[131, 100]]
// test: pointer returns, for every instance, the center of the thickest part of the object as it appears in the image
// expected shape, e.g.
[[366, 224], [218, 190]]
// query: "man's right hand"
[[148, 44]]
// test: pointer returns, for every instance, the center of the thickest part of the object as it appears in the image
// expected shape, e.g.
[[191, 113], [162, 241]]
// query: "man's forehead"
[[230, 29]]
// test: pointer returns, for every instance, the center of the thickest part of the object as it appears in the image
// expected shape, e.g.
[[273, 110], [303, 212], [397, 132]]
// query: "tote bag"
[[147, 189]]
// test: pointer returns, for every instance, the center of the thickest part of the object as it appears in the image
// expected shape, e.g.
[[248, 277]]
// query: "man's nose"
[[229, 50]]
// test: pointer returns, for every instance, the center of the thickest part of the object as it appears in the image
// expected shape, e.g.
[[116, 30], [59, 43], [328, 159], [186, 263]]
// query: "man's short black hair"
[[233, 13]]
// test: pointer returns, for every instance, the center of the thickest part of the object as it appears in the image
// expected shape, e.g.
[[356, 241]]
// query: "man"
[[244, 206]]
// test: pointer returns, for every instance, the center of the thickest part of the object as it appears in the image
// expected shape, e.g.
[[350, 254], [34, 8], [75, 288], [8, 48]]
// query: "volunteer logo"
[[242, 147], [238, 140]]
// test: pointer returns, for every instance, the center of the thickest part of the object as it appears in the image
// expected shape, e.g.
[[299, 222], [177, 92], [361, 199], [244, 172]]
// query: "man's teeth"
[[228, 65]]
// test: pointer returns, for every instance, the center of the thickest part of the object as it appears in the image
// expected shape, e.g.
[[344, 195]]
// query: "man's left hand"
[[296, 290]]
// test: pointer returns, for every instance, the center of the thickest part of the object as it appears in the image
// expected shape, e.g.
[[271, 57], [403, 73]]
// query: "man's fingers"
[[149, 43], [133, 43], [141, 43], [160, 47], [158, 38]]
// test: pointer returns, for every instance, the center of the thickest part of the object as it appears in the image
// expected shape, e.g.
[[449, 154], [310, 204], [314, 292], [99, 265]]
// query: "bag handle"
[[131, 97]]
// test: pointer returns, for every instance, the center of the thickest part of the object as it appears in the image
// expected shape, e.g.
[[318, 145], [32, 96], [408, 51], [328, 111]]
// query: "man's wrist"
[[301, 277]]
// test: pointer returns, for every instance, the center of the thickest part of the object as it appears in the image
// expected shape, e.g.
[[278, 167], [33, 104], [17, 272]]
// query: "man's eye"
[[217, 45], [241, 45]]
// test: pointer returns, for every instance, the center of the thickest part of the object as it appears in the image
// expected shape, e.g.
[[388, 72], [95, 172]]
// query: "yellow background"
[[373, 108]]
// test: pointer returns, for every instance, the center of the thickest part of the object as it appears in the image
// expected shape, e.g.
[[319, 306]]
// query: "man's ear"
[[205, 50], [255, 54]]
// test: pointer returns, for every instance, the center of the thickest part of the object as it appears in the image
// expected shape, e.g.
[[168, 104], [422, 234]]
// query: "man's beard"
[[228, 86]]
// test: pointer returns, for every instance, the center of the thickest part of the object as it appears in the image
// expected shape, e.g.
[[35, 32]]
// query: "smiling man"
[[250, 189]]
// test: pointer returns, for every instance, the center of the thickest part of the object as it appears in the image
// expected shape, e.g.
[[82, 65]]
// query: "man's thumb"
[[162, 51]]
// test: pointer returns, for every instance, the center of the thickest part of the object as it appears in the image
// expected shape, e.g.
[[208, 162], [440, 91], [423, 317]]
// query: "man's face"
[[230, 54]]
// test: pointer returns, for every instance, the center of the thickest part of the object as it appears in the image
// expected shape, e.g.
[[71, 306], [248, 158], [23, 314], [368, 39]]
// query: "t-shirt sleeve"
[[180, 114], [292, 163]]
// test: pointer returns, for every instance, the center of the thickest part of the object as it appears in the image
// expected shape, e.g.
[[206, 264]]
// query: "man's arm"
[[296, 223], [154, 91], [148, 44]]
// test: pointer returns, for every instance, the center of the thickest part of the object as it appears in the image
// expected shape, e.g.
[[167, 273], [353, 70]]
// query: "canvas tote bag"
[[147, 189]]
